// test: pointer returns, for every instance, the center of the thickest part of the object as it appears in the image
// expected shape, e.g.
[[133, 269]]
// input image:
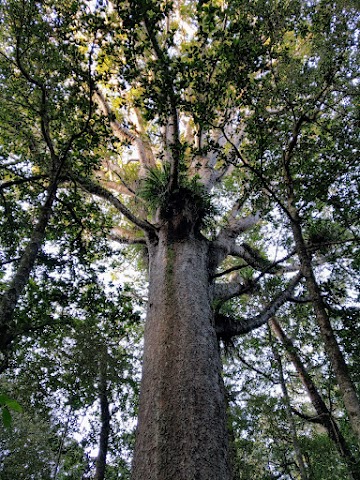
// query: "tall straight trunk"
[[182, 433], [10, 297], [289, 414], [347, 388], [104, 417], [324, 416]]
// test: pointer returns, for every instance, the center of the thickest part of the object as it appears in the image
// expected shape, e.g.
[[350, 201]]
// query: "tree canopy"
[[126, 125]]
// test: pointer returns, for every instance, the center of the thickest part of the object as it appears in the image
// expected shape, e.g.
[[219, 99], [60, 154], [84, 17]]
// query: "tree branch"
[[85, 127], [226, 291], [230, 327], [258, 174], [235, 226], [122, 132], [256, 370], [255, 260], [230, 270], [99, 191], [173, 125], [122, 235], [44, 121], [20, 181]]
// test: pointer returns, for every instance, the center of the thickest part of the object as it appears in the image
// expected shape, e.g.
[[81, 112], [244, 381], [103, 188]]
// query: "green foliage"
[[154, 190], [241, 74], [7, 405]]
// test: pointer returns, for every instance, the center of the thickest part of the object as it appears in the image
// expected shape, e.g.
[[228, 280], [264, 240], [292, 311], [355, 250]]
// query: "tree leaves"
[[7, 405]]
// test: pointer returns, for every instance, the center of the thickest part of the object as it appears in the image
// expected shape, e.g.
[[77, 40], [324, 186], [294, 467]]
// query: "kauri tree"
[[198, 132]]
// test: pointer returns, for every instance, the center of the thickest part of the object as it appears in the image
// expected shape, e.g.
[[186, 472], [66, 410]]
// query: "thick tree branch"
[[234, 226], [119, 131], [235, 268], [313, 419], [112, 185], [228, 327], [255, 260], [99, 191], [122, 235], [146, 158], [172, 128], [226, 291]]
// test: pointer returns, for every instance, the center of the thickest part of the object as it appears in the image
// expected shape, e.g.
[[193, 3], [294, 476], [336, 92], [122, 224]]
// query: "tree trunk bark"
[[20, 279], [182, 433], [289, 414], [104, 418], [324, 416], [347, 388]]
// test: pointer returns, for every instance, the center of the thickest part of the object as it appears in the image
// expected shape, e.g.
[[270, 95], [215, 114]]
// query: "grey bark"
[[227, 327], [182, 431]]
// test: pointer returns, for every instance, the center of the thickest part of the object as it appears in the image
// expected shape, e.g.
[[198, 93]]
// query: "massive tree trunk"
[[182, 430]]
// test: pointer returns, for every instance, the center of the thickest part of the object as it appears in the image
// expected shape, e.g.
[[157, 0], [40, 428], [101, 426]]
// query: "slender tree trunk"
[[289, 414], [20, 279], [61, 446], [182, 432], [347, 388], [104, 418], [324, 416]]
